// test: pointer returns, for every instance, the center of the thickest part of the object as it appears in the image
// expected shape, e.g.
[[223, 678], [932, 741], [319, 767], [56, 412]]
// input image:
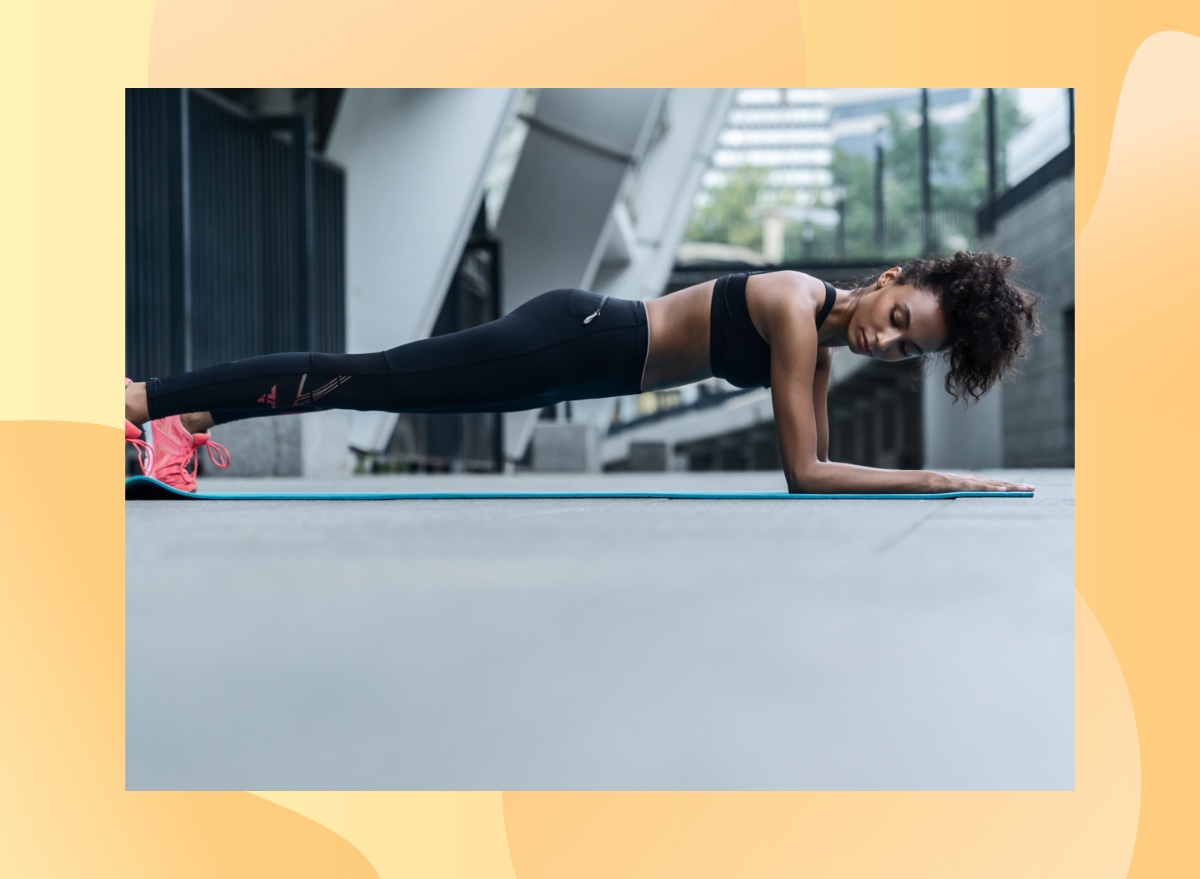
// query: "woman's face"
[[896, 321]]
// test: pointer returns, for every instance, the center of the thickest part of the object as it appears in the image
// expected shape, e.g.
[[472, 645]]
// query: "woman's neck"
[[833, 332]]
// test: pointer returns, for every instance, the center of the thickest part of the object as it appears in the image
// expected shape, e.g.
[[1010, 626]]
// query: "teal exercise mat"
[[143, 488]]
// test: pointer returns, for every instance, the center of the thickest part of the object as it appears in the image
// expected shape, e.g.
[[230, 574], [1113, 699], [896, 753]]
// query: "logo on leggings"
[[303, 399]]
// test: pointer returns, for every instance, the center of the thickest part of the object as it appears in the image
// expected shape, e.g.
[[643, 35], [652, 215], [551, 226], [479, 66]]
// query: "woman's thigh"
[[540, 353]]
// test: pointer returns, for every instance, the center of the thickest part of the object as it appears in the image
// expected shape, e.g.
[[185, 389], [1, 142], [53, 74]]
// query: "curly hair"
[[987, 316]]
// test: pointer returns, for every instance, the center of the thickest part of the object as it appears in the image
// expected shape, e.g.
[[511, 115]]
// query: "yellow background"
[[63, 811]]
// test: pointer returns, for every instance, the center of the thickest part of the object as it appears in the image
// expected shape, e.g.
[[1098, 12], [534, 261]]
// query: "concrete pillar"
[[415, 163], [958, 437], [773, 229]]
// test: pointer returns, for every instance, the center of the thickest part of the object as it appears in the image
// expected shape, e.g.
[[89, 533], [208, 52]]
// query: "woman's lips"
[[863, 347]]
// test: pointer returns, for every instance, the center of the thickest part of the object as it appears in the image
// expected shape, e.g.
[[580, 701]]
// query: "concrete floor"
[[601, 644]]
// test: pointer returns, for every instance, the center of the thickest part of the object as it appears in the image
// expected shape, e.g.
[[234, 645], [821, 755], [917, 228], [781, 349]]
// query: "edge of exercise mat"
[[145, 488]]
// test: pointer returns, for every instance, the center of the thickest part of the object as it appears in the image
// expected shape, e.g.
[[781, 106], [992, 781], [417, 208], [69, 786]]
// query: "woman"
[[774, 329]]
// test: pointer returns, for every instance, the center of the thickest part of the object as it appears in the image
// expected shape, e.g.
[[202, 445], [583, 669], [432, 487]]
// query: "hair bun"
[[987, 315]]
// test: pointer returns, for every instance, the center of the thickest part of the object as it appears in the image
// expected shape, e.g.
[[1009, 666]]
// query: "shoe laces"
[[217, 453], [145, 454]]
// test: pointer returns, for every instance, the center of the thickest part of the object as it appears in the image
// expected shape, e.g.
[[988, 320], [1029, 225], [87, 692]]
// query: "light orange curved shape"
[[1017, 43], [1137, 319], [63, 806], [432, 834], [379, 43]]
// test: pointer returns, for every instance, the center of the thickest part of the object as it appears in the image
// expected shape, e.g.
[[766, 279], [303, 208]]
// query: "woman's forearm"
[[826, 477], [829, 477]]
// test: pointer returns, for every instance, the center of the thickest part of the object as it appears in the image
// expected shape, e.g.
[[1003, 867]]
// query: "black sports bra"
[[737, 352]]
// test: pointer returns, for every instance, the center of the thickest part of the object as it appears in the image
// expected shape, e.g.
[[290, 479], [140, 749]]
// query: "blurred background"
[[264, 220]]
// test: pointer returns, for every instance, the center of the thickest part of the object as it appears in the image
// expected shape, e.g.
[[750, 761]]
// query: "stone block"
[[649, 456], [565, 448], [268, 446]]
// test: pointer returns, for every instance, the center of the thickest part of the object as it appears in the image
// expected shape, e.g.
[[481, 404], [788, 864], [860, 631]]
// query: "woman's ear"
[[888, 277]]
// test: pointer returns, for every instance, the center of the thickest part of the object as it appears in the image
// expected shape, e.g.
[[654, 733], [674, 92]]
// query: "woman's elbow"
[[805, 480]]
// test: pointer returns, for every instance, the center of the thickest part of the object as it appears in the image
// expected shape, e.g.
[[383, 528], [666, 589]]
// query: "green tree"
[[958, 178], [856, 175], [725, 217], [958, 157], [903, 162], [973, 160]]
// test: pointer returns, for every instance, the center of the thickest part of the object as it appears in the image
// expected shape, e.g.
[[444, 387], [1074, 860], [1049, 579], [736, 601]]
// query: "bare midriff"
[[679, 328], [680, 325]]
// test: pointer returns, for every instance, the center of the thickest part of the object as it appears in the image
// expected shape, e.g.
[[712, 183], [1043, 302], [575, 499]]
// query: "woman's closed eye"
[[896, 324], [903, 316]]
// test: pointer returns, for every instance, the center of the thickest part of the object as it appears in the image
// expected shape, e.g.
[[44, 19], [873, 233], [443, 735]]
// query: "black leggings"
[[548, 350]]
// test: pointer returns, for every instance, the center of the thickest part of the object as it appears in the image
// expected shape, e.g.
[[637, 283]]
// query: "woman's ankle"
[[136, 410], [196, 422]]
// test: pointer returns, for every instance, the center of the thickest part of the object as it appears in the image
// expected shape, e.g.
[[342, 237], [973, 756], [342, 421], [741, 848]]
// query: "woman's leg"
[[541, 353], [136, 411]]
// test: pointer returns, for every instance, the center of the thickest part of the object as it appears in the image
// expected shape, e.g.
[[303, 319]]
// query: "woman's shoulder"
[[785, 295], [789, 282]]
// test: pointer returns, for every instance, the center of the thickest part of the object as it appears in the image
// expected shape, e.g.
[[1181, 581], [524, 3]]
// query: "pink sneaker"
[[175, 448], [133, 436], [145, 453]]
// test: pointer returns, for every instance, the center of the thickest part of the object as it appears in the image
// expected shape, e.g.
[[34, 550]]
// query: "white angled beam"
[[576, 158], [649, 223]]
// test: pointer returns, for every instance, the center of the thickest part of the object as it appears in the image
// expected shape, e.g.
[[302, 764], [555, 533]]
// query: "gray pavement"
[[601, 644]]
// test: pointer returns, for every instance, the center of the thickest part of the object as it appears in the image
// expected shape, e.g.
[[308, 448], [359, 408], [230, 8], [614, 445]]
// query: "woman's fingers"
[[984, 483], [1009, 486]]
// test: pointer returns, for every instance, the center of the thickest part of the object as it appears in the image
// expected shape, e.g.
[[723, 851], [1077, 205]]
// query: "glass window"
[[1045, 134]]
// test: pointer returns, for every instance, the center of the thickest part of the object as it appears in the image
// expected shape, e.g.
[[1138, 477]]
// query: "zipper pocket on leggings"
[[595, 314]]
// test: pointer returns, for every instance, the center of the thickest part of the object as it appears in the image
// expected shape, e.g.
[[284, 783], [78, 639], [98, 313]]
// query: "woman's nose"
[[886, 341]]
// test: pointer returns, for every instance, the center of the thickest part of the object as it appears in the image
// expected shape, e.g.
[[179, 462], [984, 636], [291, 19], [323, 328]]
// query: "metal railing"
[[235, 235]]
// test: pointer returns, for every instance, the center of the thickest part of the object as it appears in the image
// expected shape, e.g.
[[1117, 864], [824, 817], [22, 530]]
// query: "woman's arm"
[[820, 401], [794, 399]]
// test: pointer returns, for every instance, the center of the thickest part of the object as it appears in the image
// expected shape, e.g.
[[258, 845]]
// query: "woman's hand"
[[959, 482]]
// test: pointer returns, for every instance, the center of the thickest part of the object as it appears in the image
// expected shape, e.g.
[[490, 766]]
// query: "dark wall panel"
[[153, 271], [217, 243]]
